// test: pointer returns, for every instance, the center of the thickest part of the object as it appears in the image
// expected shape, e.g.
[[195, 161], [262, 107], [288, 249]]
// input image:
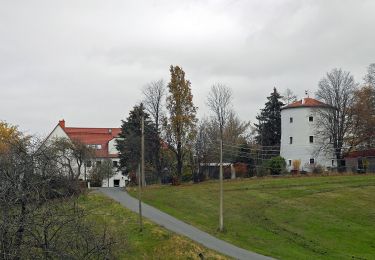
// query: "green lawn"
[[154, 242], [287, 218]]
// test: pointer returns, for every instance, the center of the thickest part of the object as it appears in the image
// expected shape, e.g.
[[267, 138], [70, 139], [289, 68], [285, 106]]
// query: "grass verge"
[[154, 242], [287, 218]]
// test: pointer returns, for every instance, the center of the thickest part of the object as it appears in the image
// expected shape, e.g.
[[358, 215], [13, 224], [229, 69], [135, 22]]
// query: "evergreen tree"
[[129, 143], [269, 126]]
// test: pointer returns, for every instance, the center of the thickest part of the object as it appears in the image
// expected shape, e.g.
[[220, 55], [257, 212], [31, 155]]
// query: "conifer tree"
[[269, 126], [129, 143]]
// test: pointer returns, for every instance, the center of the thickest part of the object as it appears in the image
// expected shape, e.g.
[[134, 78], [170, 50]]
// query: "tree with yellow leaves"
[[180, 126], [8, 135]]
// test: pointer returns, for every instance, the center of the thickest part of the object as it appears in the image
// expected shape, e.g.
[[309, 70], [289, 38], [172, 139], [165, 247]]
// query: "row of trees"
[[177, 143]]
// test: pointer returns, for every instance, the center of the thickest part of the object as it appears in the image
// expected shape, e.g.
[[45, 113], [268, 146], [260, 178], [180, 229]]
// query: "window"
[[88, 164], [289, 162], [312, 160], [311, 119], [333, 162], [311, 138], [290, 140], [98, 163], [95, 146], [114, 163], [290, 119]]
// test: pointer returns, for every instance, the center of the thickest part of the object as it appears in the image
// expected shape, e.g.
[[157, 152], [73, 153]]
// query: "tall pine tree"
[[269, 121]]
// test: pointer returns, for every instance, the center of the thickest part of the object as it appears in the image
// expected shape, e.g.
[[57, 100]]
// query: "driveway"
[[180, 227]]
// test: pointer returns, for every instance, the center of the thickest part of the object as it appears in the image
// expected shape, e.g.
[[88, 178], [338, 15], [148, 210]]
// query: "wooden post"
[[221, 219], [143, 151], [139, 197]]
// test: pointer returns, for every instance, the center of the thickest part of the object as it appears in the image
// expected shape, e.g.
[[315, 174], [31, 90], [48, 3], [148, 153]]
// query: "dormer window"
[[311, 119]]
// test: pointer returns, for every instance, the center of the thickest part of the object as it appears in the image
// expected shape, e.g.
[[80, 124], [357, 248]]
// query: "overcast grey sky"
[[86, 61]]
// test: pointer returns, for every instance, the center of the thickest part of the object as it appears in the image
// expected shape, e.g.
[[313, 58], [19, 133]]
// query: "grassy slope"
[[154, 242], [288, 218]]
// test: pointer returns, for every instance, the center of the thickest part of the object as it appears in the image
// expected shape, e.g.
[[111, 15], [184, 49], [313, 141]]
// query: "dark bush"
[[276, 165], [186, 177]]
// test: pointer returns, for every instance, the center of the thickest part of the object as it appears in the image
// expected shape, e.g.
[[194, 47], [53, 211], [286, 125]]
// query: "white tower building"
[[299, 141]]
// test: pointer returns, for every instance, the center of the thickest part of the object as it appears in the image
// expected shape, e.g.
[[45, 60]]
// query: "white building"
[[299, 122], [103, 140]]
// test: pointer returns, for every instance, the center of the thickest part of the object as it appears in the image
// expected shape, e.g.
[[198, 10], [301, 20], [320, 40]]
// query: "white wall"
[[112, 146], [117, 176], [301, 129], [58, 132]]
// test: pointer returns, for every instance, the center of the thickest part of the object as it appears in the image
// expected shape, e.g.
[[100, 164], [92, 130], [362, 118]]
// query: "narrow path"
[[180, 227]]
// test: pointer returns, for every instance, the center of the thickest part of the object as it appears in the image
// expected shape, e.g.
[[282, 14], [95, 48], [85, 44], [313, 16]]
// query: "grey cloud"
[[86, 61]]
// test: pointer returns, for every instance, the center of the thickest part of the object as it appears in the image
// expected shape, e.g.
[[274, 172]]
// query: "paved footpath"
[[180, 227]]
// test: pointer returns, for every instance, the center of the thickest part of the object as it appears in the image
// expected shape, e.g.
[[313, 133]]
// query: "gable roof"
[[306, 102], [93, 136]]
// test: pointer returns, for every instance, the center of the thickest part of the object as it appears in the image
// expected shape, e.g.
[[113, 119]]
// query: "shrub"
[[296, 164], [186, 177], [317, 168], [263, 170], [175, 180], [276, 165]]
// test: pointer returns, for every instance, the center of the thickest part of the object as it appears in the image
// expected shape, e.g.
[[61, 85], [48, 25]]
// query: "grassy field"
[[154, 242], [287, 218]]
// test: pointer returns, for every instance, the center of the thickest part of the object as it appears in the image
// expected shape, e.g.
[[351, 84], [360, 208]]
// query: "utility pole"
[[221, 218], [143, 150], [139, 197]]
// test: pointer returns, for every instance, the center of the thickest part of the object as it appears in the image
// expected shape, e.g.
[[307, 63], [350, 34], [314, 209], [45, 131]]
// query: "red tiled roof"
[[99, 136], [363, 153], [306, 102]]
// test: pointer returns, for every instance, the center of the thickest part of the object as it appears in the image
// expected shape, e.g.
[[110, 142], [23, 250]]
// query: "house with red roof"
[[299, 138], [102, 140]]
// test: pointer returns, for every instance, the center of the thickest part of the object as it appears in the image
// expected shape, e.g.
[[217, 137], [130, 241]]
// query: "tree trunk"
[[20, 230], [179, 159]]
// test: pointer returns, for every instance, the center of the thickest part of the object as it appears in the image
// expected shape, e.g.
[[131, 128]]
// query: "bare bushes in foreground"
[[39, 214]]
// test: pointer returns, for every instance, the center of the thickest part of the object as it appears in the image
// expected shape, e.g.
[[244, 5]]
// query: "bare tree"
[[154, 93], [289, 97], [370, 76], [73, 154], [219, 101], [336, 89]]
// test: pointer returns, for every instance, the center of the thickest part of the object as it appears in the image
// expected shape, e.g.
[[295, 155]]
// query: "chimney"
[[62, 123], [110, 130], [303, 101]]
